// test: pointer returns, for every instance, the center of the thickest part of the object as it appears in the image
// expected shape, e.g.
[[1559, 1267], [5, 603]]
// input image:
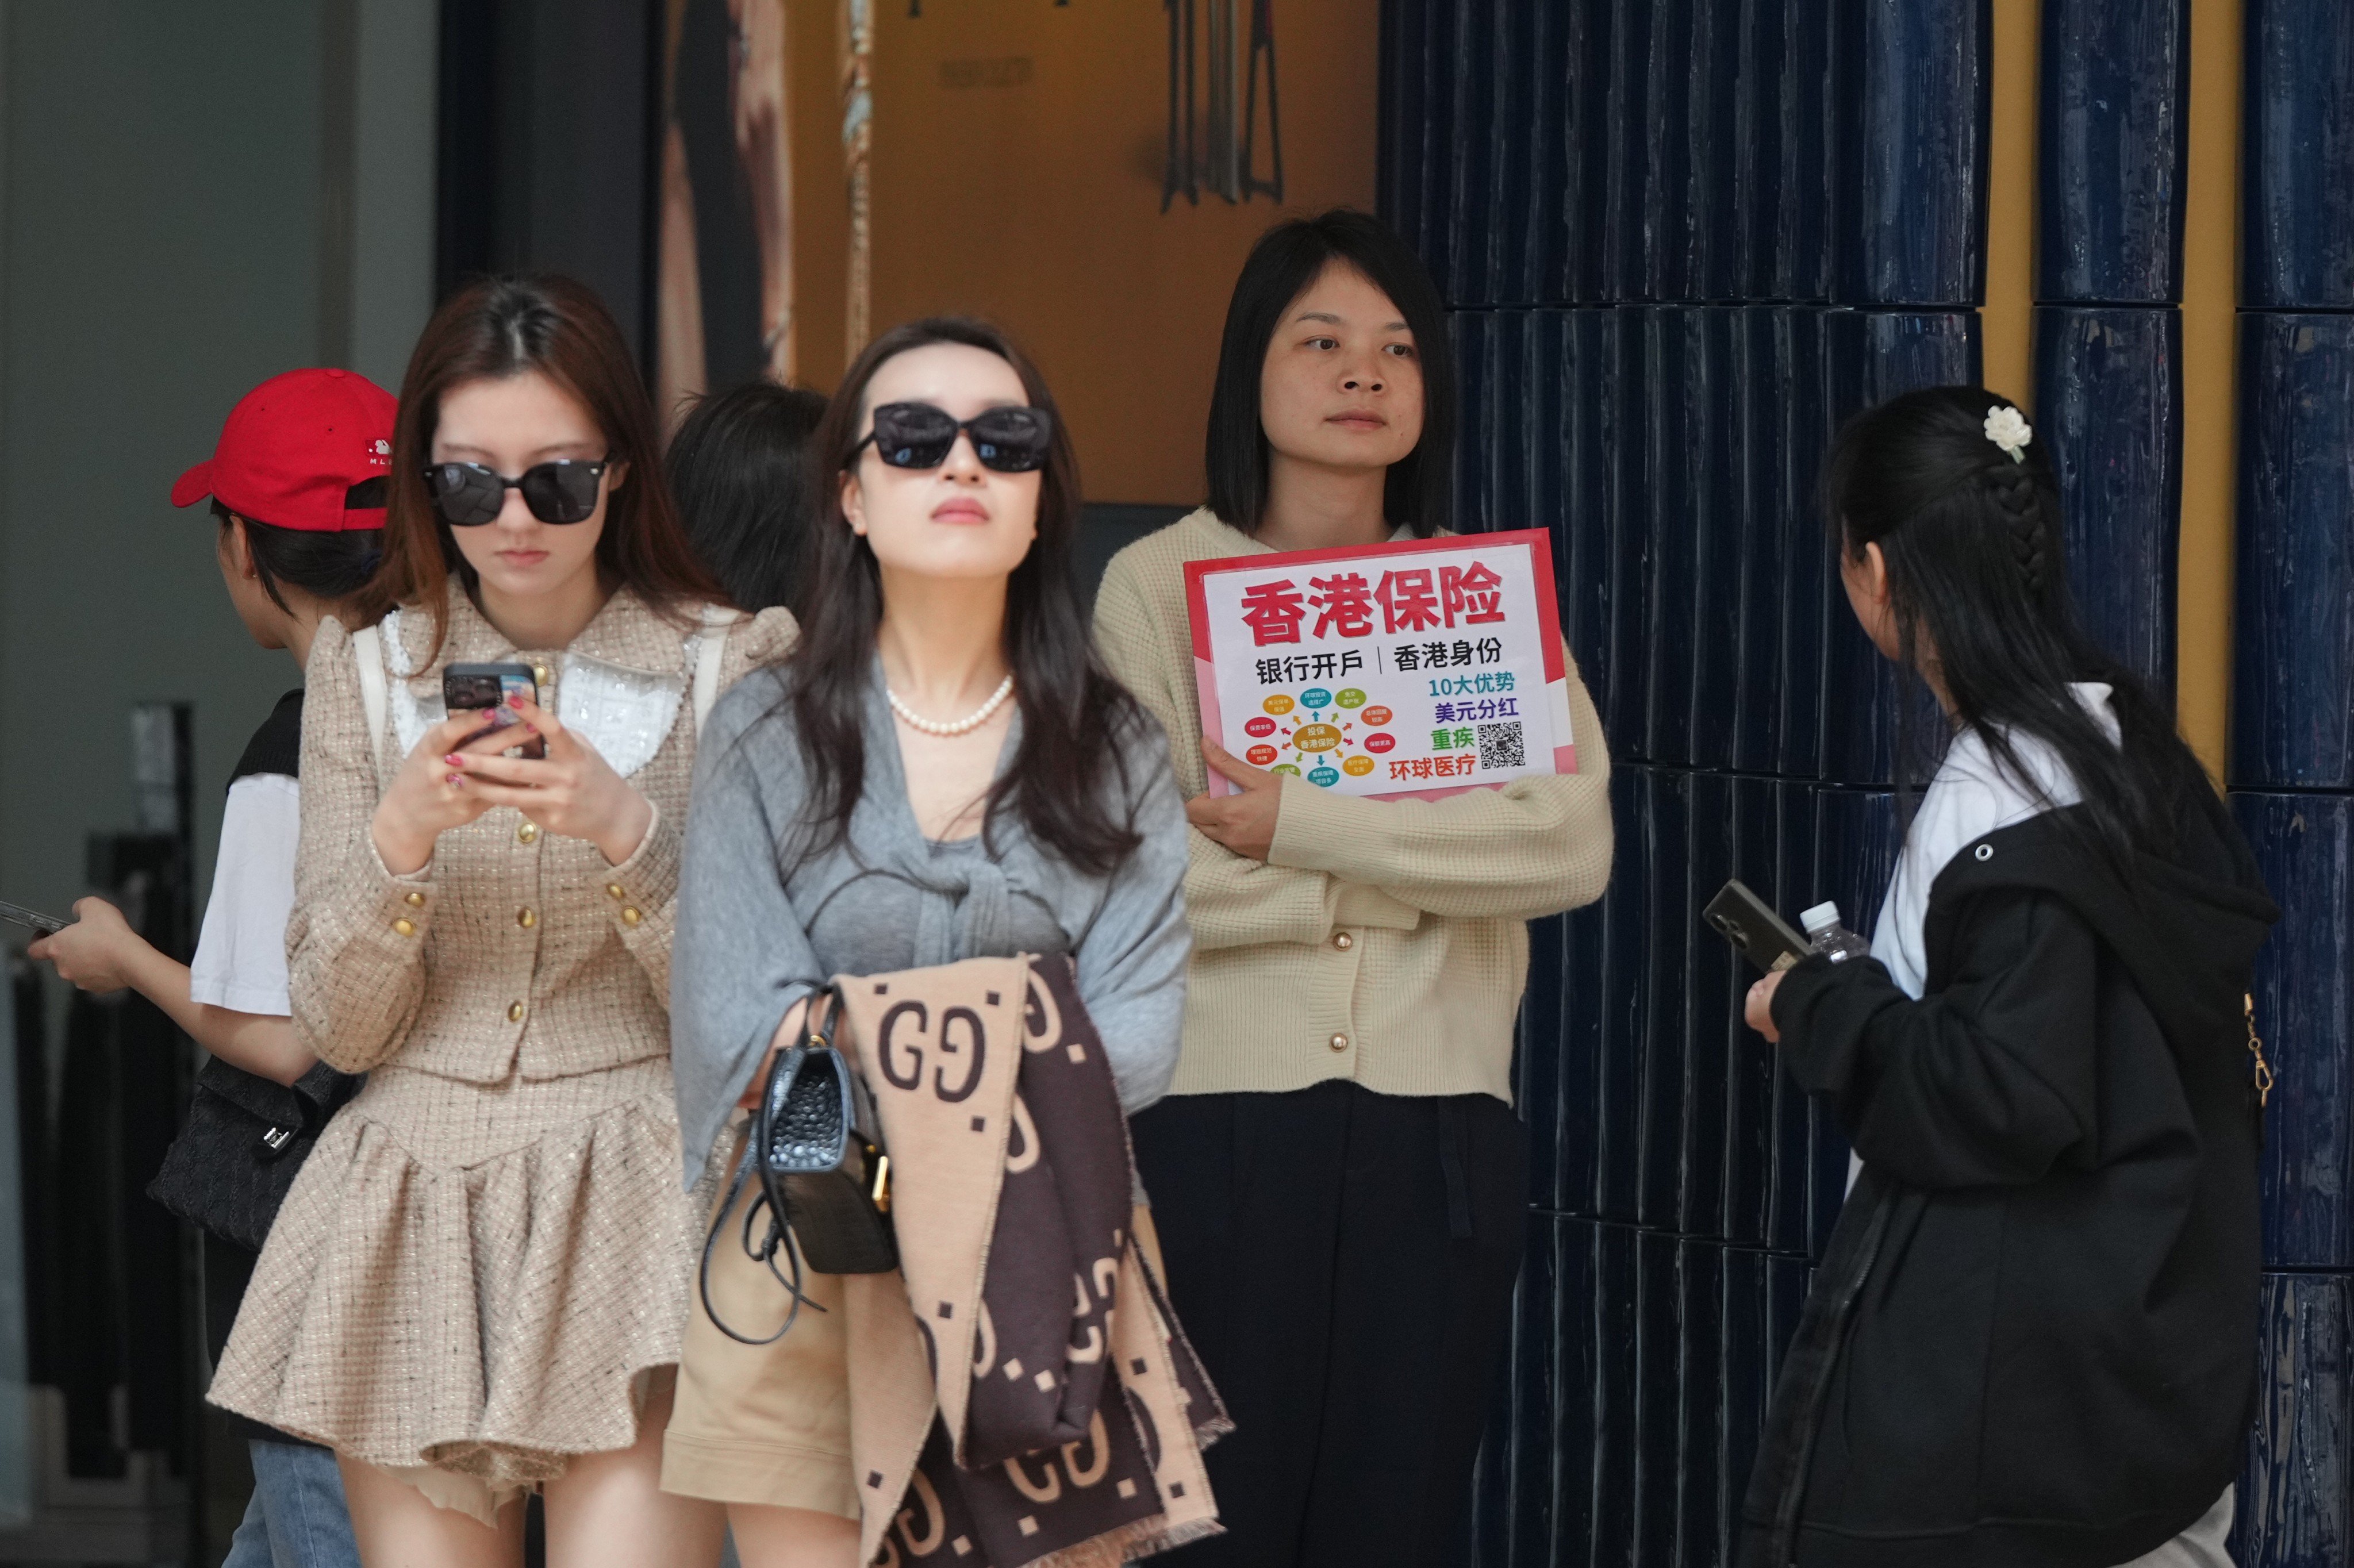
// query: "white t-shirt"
[[1969, 798], [241, 952]]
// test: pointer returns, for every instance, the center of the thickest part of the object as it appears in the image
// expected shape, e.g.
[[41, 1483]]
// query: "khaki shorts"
[[762, 1424]]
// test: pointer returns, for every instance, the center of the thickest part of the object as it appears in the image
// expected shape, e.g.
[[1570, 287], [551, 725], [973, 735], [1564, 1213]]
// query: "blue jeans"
[[297, 1518]]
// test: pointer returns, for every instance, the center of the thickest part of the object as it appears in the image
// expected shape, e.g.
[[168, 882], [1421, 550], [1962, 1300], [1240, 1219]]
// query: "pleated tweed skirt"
[[477, 1278]]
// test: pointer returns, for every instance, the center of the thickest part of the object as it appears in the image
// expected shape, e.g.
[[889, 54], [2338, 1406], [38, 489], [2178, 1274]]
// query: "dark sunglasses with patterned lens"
[[469, 494], [918, 435]]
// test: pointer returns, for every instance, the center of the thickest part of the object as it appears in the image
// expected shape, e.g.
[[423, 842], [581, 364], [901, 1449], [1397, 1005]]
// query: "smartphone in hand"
[[32, 920], [486, 687], [1749, 923]]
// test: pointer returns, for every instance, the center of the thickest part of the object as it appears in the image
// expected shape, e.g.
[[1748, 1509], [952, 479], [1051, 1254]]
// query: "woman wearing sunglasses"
[[477, 1285], [942, 771]]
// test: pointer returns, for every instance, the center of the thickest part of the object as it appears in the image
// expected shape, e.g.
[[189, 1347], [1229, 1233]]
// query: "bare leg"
[[793, 1537], [397, 1526], [610, 1508]]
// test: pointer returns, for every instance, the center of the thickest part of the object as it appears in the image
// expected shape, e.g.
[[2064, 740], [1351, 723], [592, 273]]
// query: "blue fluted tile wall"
[[2291, 751], [1652, 1109], [2304, 1003], [1616, 151], [2112, 149], [2108, 398], [2291, 1508], [1919, 83], [1674, 451], [2113, 133], [1681, 242], [2298, 232], [2293, 680]]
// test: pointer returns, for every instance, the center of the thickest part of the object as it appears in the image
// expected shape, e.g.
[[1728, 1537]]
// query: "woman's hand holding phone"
[[427, 797], [572, 790], [1758, 1011], [96, 952]]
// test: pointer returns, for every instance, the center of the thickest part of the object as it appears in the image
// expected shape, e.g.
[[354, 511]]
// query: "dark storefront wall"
[[1732, 226], [1680, 241], [2291, 766]]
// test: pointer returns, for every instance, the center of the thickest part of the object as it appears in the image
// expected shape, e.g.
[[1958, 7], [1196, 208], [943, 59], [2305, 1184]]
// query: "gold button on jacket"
[[595, 989]]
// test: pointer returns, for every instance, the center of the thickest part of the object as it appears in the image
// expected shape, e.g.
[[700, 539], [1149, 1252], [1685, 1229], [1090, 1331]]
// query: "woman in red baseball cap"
[[297, 483], [478, 1286]]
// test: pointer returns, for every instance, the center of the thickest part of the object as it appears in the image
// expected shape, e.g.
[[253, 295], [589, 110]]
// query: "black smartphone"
[[33, 920], [1749, 923], [486, 687]]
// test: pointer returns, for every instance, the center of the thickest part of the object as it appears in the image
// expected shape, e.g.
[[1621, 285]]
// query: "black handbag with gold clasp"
[[825, 1181]]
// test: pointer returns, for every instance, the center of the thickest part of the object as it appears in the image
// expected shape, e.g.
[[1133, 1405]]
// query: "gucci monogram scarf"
[[1020, 1392]]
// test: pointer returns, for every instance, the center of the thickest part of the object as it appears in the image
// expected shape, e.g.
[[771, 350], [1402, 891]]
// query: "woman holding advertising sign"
[[1338, 1174]]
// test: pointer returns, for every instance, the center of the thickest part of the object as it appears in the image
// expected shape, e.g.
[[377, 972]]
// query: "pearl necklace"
[[972, 721]]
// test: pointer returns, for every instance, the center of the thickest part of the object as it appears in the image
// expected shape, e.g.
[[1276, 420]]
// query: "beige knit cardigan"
[[1382, 941]]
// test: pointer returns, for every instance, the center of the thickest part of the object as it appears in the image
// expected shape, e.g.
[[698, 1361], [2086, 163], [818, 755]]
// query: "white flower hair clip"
[[2008, 429]]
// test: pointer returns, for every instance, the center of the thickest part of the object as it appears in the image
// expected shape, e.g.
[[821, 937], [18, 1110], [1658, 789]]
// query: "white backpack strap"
[[367, 652], [716, 622]]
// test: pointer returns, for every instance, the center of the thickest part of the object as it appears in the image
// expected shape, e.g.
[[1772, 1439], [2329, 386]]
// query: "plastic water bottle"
[[1831, 938]]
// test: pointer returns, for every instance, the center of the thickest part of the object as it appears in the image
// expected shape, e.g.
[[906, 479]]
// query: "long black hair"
[[1977, 576], [330, 567], [1419, 490], [739, 471], [1076, 718]]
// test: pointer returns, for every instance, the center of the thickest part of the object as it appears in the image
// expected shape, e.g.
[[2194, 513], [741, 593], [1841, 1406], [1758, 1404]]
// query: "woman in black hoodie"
[[2033, 1338]]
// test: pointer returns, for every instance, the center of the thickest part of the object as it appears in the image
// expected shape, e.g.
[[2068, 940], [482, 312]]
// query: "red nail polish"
[[457, 778], [514, 699], [452, 759]]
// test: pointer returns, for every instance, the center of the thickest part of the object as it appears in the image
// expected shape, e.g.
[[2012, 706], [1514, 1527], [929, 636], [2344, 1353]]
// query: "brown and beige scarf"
[[1020, 1393]]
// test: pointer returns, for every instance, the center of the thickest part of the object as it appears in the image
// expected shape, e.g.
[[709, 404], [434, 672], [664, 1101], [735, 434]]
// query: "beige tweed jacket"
[[541, 957], [487, 1250]]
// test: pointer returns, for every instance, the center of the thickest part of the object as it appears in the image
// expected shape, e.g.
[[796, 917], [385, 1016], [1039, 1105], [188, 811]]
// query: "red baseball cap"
[[294, 447]]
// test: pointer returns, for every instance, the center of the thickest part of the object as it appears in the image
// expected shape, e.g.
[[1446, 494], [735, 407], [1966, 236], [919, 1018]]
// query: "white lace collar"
[[624, 713]]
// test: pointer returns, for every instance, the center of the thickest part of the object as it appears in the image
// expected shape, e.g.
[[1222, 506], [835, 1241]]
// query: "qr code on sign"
[[1500, 746]]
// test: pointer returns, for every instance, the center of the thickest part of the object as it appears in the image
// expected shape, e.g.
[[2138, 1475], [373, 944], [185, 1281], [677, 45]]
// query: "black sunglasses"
[[469, 494], [918, 435]]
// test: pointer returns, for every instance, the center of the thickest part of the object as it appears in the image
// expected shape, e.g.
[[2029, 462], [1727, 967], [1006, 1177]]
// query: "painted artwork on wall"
[[1088, 173]]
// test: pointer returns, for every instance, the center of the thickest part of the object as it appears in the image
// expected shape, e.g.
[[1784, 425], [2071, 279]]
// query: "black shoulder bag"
[[825, 1183], [231, 1166]]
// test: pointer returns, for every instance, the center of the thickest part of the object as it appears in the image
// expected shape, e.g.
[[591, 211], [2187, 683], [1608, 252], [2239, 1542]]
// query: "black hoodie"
[[2033, 1338]]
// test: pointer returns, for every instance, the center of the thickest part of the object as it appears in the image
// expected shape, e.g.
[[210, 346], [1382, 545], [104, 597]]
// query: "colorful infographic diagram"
[[1320, 734]]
